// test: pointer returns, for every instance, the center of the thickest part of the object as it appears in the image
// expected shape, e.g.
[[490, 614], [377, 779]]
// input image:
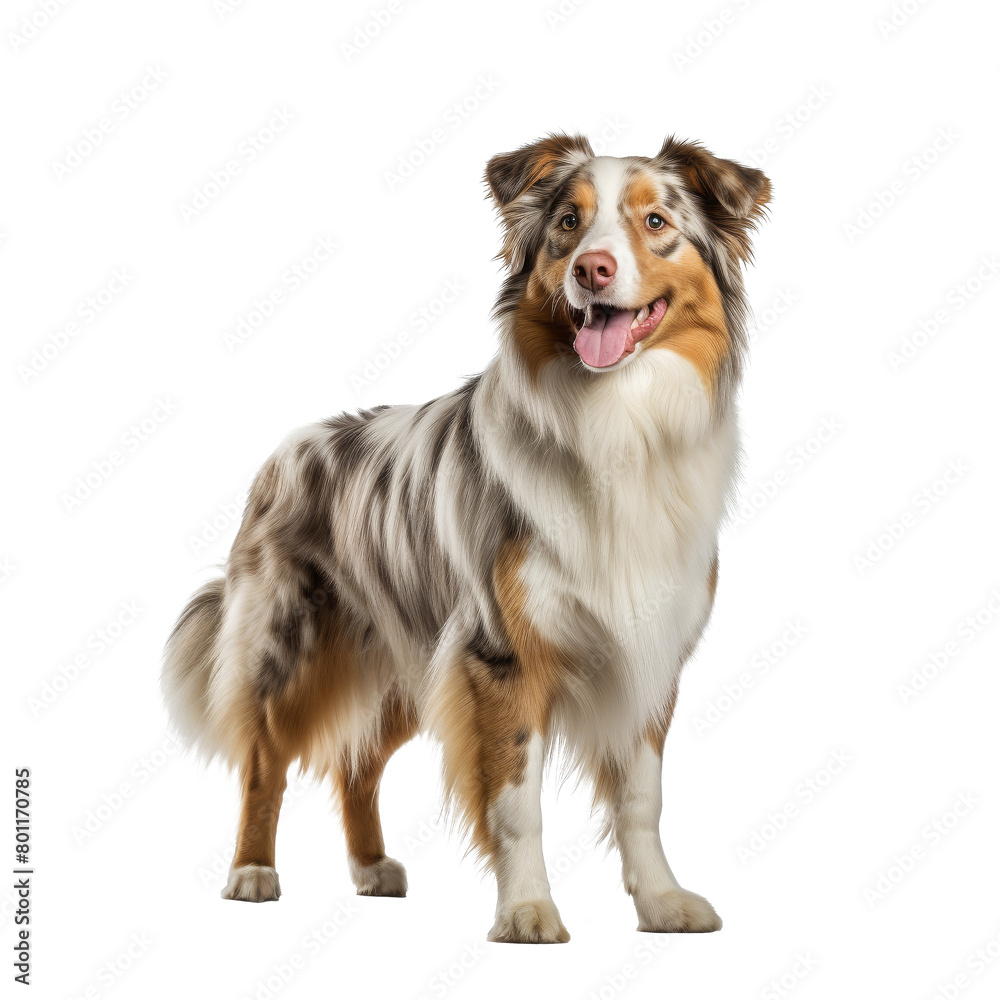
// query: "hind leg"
[[373, 873], [252, 876]]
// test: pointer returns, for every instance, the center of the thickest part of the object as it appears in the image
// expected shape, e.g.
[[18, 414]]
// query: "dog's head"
[[612, 257]]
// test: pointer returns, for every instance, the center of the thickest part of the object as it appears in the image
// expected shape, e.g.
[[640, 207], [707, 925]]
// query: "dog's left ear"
[[724, 186], [509, 175]]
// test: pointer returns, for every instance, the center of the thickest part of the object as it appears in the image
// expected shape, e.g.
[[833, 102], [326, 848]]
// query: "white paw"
[[534, 922], [252, 883], [677, 911], [384, 878]]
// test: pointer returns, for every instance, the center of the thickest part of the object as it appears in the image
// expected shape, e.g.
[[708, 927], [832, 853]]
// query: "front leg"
[[493, 758], [492, 714], [525, 910], [632, 793]]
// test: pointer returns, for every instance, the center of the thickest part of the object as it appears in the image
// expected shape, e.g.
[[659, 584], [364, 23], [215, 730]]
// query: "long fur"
[[531, 556]]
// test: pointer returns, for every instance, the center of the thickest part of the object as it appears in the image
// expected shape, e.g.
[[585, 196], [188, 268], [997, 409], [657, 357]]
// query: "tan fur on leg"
[[374, 874], [252, 876], [492, 724]]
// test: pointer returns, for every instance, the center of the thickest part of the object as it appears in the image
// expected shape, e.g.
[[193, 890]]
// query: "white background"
[[844, 447]]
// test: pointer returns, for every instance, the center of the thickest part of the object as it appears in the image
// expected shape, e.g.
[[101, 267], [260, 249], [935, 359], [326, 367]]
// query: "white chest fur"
[[629, 542]]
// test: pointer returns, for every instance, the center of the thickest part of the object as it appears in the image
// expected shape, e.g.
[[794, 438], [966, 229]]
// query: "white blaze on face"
[[607, 233]]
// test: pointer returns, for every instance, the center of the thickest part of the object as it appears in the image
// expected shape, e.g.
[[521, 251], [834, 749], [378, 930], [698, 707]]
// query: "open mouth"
[[606, 334]]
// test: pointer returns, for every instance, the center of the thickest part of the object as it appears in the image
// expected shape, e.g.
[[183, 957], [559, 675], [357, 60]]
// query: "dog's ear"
[[509, 175], [521, 184], [723, 186]]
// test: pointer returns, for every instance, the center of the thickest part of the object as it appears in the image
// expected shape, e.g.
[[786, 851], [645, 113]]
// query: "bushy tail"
[[188, 662]]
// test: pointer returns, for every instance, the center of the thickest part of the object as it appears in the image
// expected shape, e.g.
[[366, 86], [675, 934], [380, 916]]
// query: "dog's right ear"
[[509, 175], [520, 183]]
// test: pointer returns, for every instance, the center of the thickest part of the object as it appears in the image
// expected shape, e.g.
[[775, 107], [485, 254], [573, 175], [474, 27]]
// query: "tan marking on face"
[[542, 326], [487, 719], [641, 196], [541, 329], [694, 325], [582, 195]]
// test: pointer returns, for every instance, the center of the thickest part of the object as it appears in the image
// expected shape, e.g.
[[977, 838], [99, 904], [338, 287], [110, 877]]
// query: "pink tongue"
[[607, 338]]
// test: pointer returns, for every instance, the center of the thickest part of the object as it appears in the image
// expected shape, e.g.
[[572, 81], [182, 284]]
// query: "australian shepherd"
[[519, 567]]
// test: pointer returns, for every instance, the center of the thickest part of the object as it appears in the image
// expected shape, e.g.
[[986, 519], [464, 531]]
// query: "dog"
[[520, 567]]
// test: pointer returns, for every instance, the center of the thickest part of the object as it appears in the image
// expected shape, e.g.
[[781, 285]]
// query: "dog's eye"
[[655, 221], [568, 221]]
